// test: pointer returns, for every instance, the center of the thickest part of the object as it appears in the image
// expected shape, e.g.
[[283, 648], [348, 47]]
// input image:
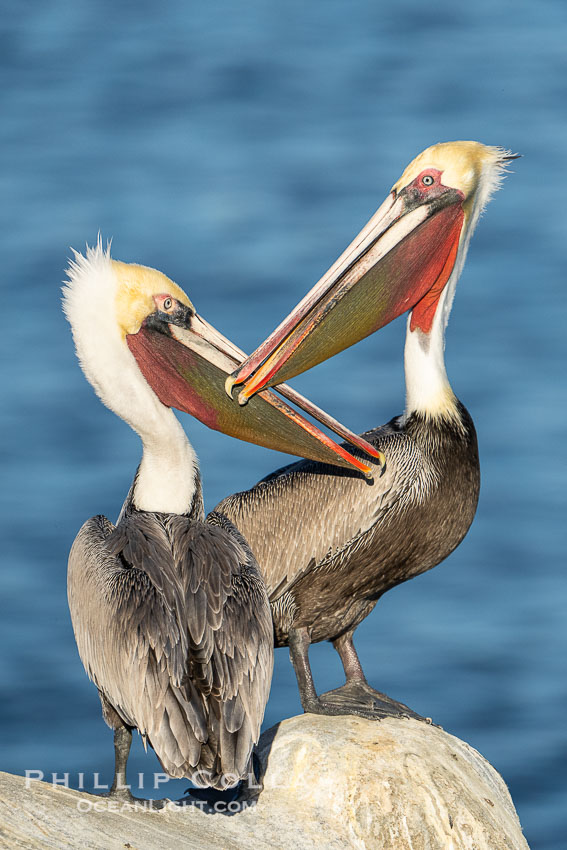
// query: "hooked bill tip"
[[381, 462], [229, 384], [242, 397]]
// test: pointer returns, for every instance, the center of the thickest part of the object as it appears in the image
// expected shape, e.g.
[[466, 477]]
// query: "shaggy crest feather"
[[166, 476]]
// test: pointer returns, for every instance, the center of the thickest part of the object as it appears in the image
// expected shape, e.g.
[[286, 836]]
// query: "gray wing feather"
[[173, 625]]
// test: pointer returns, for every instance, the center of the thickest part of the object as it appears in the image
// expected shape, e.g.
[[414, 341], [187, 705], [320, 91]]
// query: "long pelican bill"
[[226, 347], [401, 260], [405, 250], [186, 363]]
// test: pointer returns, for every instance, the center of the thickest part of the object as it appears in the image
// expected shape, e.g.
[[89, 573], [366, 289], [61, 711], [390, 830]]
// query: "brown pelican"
[[170, 614], [336, 542]]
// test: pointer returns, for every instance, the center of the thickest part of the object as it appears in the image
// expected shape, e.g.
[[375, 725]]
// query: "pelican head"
[[409, 254], [144, 348]]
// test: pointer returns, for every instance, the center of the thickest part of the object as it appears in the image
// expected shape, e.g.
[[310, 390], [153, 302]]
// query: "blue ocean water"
[[239, 148]]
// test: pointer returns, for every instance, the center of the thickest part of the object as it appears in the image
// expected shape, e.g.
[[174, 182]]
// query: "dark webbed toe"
[[124, 795], [360, 699]]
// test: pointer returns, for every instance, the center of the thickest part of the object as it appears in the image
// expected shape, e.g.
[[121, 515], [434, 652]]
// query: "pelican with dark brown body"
[[329, 543], [170, 614], [356, 540]]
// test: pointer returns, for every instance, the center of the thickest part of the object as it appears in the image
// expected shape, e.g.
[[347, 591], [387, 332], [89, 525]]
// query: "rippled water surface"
[[239, 147]]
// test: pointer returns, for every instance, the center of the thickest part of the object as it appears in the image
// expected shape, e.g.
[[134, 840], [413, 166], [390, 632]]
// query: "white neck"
[[427, 387], [428, 390], [167, 477]]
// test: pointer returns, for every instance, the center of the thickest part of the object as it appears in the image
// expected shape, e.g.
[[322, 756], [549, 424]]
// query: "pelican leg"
[[299, 643], [356, 696], [120, 790], [122, 744]]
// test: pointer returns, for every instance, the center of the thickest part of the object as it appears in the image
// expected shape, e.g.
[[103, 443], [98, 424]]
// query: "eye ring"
[[428, 180], [167, 303]]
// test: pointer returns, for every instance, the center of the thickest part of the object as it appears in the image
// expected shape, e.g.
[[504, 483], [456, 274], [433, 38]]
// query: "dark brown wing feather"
[[173, 625], [329, 543], [307, 512]]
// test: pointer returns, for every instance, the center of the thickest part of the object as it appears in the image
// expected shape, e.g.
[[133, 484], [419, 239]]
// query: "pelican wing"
[[173, 626], [306, 515]]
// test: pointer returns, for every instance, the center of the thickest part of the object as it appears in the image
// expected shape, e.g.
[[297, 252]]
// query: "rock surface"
[[329, 782]]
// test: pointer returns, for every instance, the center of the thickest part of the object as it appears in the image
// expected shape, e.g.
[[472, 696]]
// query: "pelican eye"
[[167, 303], [427, 180]]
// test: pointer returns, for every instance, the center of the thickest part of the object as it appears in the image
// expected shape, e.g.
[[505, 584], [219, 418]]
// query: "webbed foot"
[[124, 795], [360, 699]]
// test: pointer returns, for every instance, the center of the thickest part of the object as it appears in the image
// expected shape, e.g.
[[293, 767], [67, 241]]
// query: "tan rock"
[[390, 785], [330, 782]]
